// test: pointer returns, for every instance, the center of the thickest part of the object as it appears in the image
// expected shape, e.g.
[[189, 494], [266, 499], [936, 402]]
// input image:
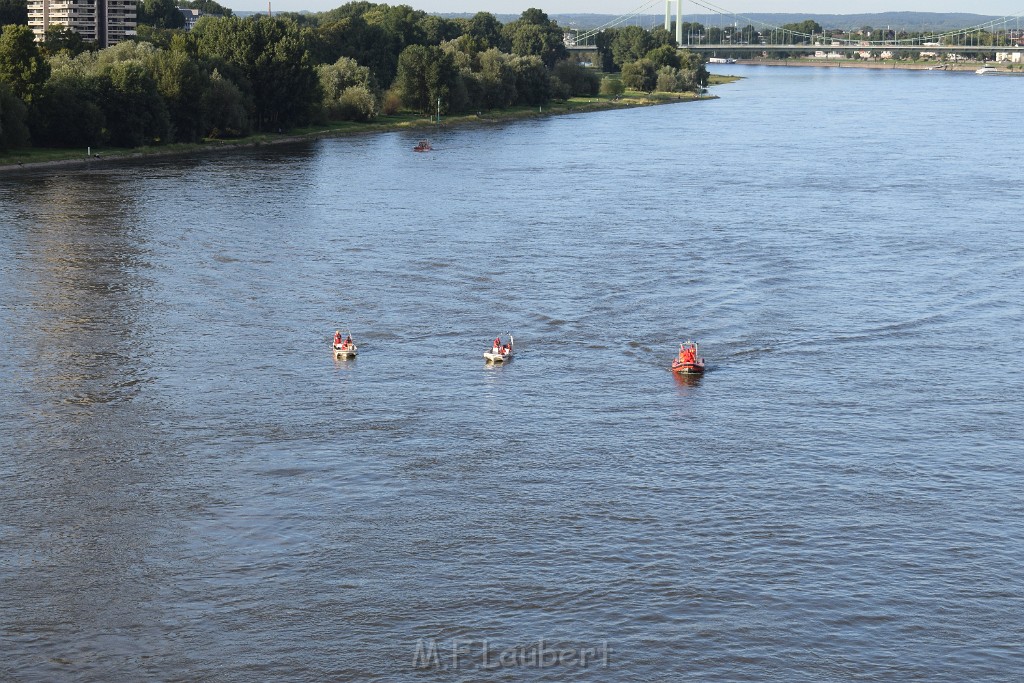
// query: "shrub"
[[612, 87], [357, 103], [391, 103], [578, 80], [640, 75], [560, 90]]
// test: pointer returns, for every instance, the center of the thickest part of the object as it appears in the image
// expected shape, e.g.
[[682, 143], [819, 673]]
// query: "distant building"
[[1012, 57], [191, 17], [104, 22]]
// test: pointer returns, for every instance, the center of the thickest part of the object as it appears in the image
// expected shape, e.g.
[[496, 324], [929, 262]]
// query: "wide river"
[[193, 489]]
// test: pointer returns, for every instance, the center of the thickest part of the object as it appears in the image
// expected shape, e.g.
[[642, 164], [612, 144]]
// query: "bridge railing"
[[724, 30]]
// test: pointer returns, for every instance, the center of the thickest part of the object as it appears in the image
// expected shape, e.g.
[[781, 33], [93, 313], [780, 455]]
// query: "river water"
[[195, 490]]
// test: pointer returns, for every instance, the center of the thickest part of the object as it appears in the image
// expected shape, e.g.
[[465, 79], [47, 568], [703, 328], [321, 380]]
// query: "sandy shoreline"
[[100, 159]]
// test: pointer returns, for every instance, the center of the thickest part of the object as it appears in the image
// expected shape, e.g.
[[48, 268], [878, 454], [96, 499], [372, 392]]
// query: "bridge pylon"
[[679, 19]]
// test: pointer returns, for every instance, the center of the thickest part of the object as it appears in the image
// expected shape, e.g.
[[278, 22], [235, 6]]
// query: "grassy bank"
[[42, 157]]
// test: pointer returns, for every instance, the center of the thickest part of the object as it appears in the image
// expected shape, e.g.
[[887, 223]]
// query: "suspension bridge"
[[710, 28]]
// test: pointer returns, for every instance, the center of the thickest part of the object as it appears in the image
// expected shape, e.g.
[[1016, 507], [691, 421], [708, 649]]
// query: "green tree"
[[66, 114], [535, 35], [135, 113], [426, 74], [347, 11], [487, 28], [160, 14], [806, 27], [353, 37], [336, 80], [160, 37], [400, 22], [14, 131], [671, 79], [694, 68], [534, 16], [21, 64], [660, 37], [497, 78], [578, 80], [13, 12], [533, 86], [630, 44], [181, 83], [435, 30], [603, 42], [468, 45], [226, 107], [61, 38], [344, 73], [300, 19], [665, 55], [640, 75], [270, 56]]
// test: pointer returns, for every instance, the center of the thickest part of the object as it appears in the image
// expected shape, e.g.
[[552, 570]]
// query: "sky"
[[990, 7]]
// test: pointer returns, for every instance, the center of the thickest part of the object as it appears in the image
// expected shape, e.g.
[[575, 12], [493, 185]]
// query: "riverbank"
[[41, 158]]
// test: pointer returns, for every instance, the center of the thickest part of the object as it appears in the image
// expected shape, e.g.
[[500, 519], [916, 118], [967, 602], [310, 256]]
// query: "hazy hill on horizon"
[[908, 21]]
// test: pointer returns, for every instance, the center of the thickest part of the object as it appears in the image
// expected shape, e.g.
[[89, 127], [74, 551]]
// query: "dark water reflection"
[[195, 490]]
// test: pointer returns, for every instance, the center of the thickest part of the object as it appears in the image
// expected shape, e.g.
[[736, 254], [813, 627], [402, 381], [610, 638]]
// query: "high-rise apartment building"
[[106, 22]]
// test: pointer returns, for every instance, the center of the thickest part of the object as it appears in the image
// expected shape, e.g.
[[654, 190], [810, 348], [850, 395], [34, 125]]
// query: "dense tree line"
[[650, 60], [231, 76]]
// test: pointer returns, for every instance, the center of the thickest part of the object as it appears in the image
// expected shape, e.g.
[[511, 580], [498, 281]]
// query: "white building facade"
[[104, 22]]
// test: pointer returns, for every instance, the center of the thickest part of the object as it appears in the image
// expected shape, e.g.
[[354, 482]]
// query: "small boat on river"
[[987, 69], [344, 348], [500, 353], [423, 146], [688, 362]]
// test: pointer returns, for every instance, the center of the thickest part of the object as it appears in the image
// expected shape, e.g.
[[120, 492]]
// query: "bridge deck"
[[726, 47]]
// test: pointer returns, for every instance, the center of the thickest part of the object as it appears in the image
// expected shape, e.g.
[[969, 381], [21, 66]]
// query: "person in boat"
[[687, 355], [337, 337], [505, 349], [497, 345], [348, 342]]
